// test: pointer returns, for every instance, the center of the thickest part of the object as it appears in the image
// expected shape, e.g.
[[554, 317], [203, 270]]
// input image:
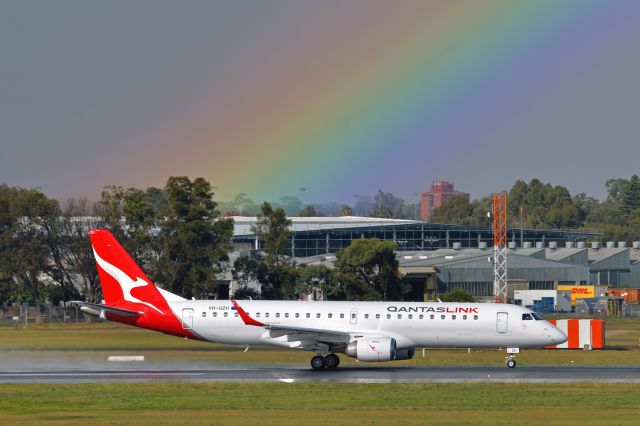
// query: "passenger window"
[[235, 315], [277, 314], [204, 314], [453, 317], [527, 317], [257, 314], [421, 316], [308, 315], [432, 316], [410, 316], [366, 316], [464, 317], [341, 315], [388, 316], [317, 315], [329, 316], [215, 314], [266, 315], [441, 316], [353, 316], [286, 314], [399, 316], [377, 316], [226, 314], [475, 317], [297, 315]]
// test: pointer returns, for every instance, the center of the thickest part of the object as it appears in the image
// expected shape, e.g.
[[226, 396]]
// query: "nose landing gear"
[[511, 357], [330, 362]]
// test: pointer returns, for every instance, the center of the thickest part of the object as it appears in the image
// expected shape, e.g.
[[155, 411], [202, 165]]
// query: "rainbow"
[[375, 96]]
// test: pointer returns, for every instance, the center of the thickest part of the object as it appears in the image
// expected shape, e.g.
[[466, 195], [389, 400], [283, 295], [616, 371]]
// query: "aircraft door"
[[502, 322], [187, 318], [353, 318]]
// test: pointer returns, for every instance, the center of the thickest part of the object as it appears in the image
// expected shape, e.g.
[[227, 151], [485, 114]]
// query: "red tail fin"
[[124, 284]]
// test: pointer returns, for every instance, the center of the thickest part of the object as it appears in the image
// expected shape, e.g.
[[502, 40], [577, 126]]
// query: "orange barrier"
[[582, 333]]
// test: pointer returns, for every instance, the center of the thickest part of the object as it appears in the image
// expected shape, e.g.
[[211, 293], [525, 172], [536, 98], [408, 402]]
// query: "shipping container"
[[630, 295], [527, 297], [582, 291]]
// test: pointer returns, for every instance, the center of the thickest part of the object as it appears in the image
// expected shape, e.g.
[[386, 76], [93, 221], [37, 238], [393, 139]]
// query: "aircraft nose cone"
[[558, 336]]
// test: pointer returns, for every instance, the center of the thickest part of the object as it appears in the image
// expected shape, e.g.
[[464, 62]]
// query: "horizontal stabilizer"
[[98, 310]]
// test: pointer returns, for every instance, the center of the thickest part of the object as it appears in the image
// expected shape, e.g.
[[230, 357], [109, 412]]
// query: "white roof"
[[243, 224]]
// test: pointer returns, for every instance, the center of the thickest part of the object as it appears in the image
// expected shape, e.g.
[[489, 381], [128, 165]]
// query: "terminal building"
[[313, 236], [436, 258]]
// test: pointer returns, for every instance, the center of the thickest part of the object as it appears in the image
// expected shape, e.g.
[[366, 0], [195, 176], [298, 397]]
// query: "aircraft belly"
[[233, 336]]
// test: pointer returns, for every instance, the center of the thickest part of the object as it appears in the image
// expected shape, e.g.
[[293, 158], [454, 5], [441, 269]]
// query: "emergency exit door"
[[187, 318], [502, 322]]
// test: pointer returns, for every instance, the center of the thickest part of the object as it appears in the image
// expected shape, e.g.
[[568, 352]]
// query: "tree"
[[387, 205], [195, 240], [458, 295], [544, 206], [367, 270], [457, 210], [272, 226], [313, 277], [290, 204], [24, 253], [629, 197], [78, 250], [346, 210], [308, 211]]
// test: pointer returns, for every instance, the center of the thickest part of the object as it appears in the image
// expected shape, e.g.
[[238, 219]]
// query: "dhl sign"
[[579, 291]]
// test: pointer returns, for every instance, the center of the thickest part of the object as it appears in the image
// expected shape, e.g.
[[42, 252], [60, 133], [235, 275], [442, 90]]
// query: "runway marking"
[[465, 374]]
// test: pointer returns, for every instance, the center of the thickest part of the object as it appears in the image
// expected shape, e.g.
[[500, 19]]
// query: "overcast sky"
[[94, 93]]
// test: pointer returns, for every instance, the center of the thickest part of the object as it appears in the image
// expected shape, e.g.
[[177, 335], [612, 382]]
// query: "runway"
[[350, 374]]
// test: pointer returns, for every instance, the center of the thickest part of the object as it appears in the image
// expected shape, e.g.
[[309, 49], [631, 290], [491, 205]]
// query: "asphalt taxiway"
[[349, 374]]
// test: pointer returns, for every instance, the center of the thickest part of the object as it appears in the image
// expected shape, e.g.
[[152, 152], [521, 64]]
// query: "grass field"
[[284, 404]]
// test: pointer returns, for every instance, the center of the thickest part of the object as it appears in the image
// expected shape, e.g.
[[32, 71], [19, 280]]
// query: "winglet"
[[245, 317]]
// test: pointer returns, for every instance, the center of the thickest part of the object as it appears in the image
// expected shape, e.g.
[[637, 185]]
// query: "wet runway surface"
[[350, 374]]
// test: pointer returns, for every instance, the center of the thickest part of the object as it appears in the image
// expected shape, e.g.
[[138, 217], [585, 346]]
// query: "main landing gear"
[[330, 362]]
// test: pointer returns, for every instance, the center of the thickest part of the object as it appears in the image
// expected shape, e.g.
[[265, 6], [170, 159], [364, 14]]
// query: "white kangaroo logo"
[[126, 283]]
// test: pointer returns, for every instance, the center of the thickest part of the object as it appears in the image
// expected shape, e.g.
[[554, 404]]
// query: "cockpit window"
[[537, 317], [527, 317]]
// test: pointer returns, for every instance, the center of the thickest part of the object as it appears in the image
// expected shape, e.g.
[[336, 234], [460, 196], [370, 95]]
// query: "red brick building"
[[441, 191]]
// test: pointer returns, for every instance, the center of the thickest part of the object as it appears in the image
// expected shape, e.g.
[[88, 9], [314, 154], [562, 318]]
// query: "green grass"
[[278, 403], [112, 337]]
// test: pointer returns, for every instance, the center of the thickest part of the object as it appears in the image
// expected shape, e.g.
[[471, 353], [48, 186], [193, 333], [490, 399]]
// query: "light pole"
[[357, 197]]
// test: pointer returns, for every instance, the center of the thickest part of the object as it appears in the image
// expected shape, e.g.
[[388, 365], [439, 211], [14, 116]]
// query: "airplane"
[[366, 331]]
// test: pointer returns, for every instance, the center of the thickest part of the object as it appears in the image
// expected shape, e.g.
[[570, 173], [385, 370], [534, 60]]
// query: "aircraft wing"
[[298, 337], [98, 310]]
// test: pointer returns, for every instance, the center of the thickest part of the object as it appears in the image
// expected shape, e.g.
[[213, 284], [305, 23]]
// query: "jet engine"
[[372, 349], [405, 353]]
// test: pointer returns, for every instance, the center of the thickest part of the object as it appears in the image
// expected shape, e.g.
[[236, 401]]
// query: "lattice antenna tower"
[[500, 247]]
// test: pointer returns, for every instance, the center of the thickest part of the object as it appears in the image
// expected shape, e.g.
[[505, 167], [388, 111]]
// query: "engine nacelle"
[[372, 349], [405, 353]]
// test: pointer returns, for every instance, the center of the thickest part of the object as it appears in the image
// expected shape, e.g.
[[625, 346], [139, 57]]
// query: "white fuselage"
[[411, 324]]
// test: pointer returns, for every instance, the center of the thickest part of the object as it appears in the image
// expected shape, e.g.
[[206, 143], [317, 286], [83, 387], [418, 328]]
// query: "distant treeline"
[[542, 205]]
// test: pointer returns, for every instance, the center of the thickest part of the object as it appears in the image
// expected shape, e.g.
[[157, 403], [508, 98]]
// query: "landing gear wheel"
[[317, 362], [511, 363], [332, 361]]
